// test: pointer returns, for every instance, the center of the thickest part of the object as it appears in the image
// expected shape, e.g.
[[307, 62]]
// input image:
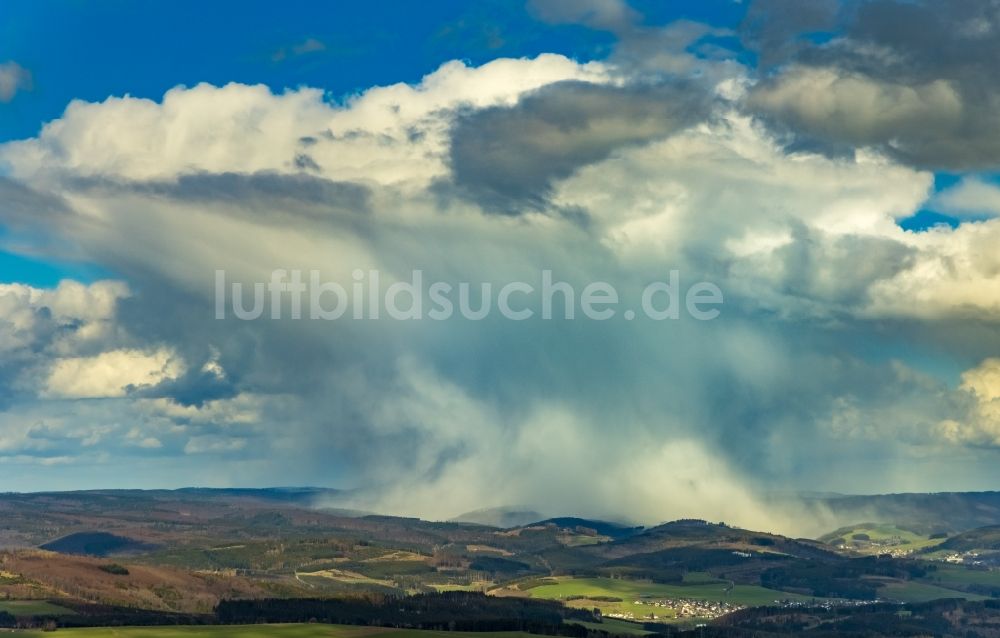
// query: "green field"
[[882, 538], [959, 576], [33, 608], [613, 625], [915, 592], [580, 592], [700, 578], [266, 631], [945, 581], [633, 589]]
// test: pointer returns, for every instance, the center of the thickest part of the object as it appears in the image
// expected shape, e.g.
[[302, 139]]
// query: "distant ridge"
[[298, 495], [604, 528], [505, 517], [924, 513], [953, 512]]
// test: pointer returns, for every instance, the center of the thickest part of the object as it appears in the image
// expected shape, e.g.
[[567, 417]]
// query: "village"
[[894, 545], [973, 558], [707, 609], [680, 608]]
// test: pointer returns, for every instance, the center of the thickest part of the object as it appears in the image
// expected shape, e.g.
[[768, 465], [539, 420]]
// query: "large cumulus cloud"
[[914, 79], [508, 156], [839, 352]]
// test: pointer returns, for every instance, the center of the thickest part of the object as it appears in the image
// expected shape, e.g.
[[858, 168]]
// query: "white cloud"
[[38, 326], [244, 409], [84, 311], [953, 276], [855, 108], [111, 374], [387, 134], [972, 197], [982, 424], [13, 78], [138, 438], [213, 445]]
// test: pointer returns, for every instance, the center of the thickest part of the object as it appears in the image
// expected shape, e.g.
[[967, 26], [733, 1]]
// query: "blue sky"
[[44, 272], [91, 50]]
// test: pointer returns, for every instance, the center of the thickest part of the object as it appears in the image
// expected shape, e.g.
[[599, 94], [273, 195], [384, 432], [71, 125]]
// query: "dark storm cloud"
[[14, 361], [304, 162], [192, 389], [775, 28], [262, 186], [507, 157], [915, 79], [20, 204], [839, 271]]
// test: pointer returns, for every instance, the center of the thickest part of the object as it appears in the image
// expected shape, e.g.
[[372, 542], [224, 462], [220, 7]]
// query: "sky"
[[830, 168]]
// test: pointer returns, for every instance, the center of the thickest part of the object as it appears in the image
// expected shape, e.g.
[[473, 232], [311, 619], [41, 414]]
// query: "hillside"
[[983, 538], [96, 544], [184, 551], [39, 575], [881, 538]]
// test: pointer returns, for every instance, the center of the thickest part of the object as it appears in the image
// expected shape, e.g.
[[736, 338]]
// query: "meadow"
[[265, 631], [33, 608], [596, 592], [872, 539], [958, 576], [717, 590], [916, 592]]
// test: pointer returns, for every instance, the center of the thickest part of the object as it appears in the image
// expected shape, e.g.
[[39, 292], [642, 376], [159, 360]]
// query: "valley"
[[173, 557]]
